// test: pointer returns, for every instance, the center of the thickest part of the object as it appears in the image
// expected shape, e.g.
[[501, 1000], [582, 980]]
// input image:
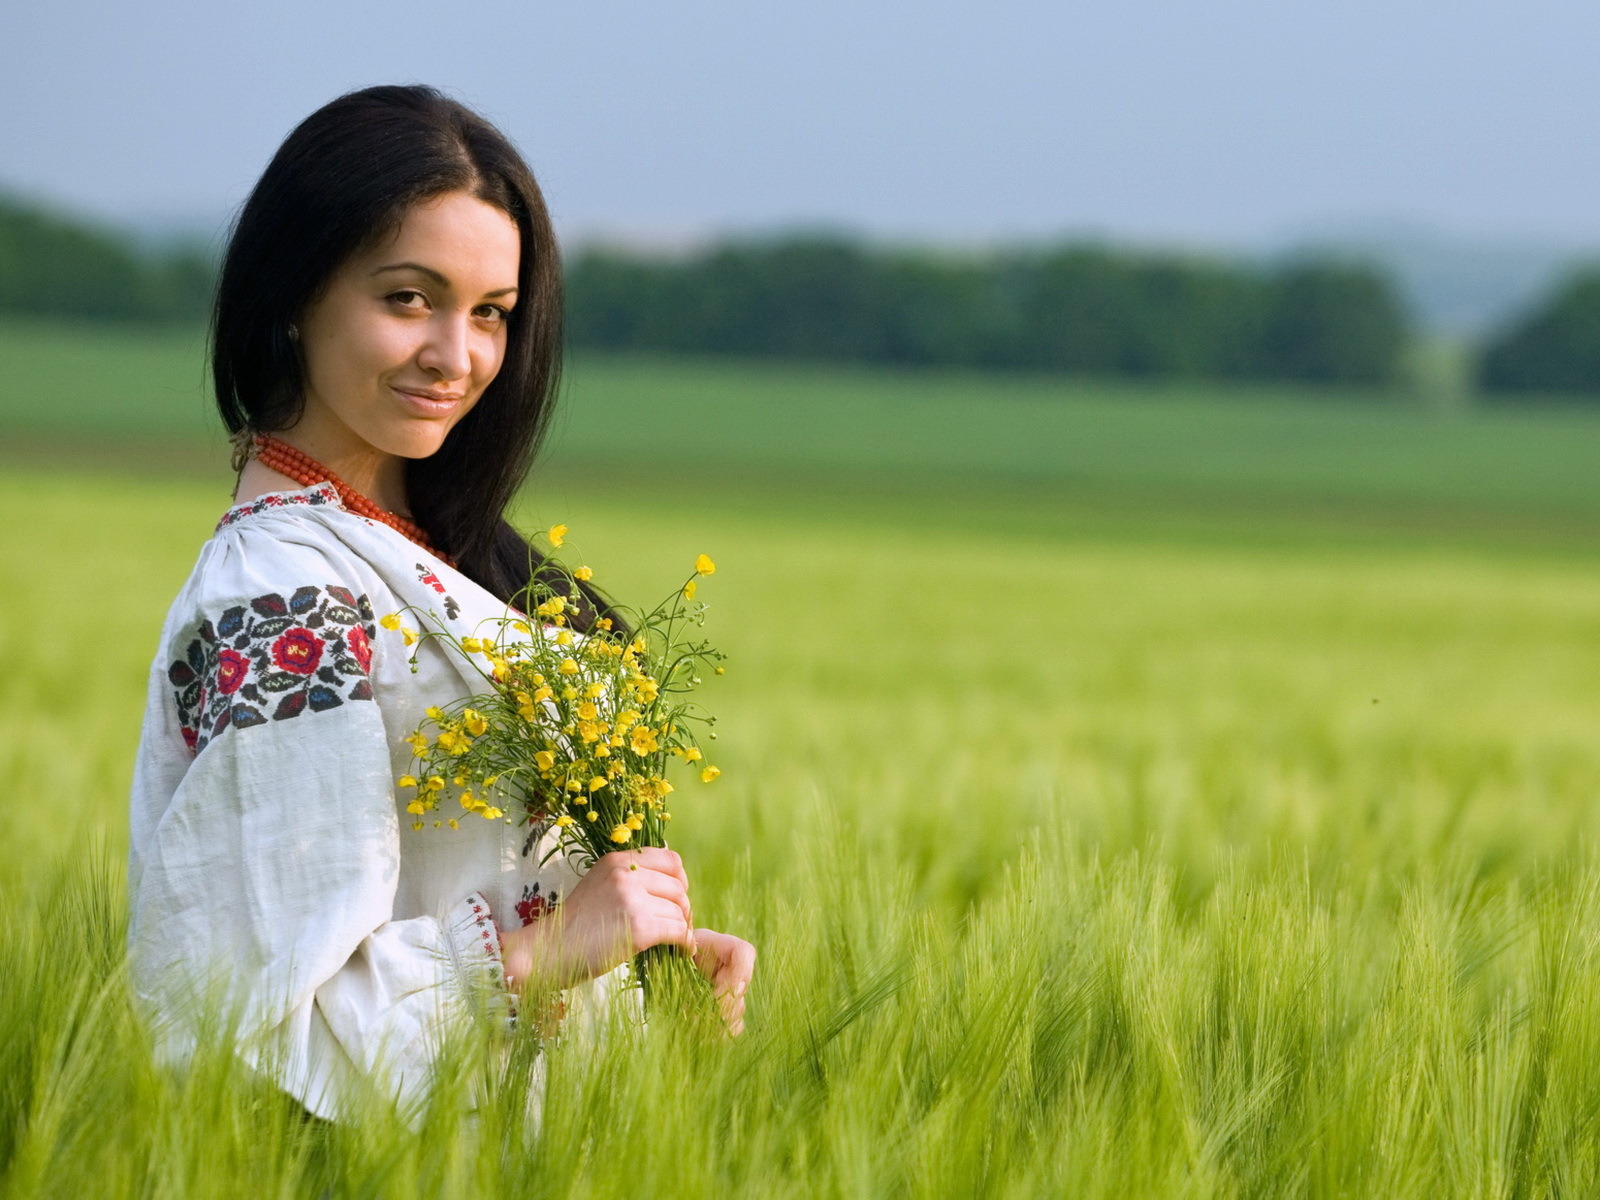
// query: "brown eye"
[[408, 298]]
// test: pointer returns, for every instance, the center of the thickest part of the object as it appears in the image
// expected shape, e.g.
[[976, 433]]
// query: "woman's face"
[[407, 334]]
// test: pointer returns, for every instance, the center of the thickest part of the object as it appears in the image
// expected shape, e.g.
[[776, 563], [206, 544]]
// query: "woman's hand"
[[728, 962], [629, 901]]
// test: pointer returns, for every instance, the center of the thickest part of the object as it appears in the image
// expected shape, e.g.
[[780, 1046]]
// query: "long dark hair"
[[344, 178]]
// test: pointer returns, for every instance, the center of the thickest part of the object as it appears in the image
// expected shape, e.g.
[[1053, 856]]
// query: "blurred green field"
[[1017, 444], [1207, 832]]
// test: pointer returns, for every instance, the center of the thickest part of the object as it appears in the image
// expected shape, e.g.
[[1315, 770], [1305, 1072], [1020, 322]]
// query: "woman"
[[385, 349]]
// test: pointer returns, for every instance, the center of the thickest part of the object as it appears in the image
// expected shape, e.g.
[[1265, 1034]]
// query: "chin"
[[414, 443]]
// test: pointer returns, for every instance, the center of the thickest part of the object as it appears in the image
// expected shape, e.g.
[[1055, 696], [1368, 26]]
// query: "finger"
[[659, 883], [733, 1015], [707, 956], [661, 923], [736, 966], [665, 887], [657, 858]]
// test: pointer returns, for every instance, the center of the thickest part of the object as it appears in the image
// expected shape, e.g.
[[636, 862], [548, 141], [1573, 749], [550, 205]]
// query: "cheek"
[[360, 348], [486, 363]]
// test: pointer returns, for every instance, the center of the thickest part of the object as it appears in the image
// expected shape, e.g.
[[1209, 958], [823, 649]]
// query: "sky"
[[1215, 122]]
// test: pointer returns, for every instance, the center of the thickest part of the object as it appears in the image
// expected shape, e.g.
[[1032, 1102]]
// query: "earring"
[[294, 333]]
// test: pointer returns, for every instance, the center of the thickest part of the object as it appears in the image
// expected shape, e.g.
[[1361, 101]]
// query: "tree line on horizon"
[[1077, 309], [1072, 308], [57, 266]]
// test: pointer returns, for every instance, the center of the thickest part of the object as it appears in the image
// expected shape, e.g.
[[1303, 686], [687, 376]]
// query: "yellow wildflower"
[[709, 774], [704, 566], [721, 671], [416, 807], [418, 743], [477, 724], [557, 534], [435, 713], [568, 667], [565, 822], [491, 813], [416, 824], [522, 627], [603, 623], [454, 824], [544, 760], [587, 711], [569, 693], [621, 834], [454, 742], [564, 638], [434, 783], [595, 690], [598, 782], [643, 740], [692, 754], [689, 590], [406, 781], [471, 645], [635, 822], [392, 621], [583, 574], [592, 815], [468, 801], [591, 731], [543, 694], [410, 636]]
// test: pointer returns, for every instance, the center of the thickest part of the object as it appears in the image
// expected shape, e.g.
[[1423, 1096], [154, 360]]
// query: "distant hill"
[[1457, 287]]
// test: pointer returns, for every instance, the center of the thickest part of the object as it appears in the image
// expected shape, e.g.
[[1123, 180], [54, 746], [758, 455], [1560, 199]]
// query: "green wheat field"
[[1132, 793]]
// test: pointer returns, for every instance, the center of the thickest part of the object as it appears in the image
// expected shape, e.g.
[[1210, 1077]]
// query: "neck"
[[378, 476]]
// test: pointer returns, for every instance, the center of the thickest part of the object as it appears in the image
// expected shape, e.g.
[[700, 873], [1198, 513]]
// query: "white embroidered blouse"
[[269, 845]]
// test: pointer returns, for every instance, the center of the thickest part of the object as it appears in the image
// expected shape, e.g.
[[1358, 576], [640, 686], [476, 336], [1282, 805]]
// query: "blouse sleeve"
[[266, 843]]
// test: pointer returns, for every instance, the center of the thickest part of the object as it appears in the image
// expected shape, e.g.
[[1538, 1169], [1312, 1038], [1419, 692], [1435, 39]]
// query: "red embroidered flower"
[[232, 667], [191, 738], [532, 906], [298, 651], [360, 648]]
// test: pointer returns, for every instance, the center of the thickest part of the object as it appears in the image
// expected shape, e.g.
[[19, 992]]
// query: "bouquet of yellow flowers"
[[574, 730]]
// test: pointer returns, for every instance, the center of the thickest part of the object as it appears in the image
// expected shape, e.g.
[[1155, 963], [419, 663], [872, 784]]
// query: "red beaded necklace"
[[307, 471]]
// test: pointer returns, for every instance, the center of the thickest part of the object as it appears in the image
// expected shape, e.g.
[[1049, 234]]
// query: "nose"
[[447, 352]]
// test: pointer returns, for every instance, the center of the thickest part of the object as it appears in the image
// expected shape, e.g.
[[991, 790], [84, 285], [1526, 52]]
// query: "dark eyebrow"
[[433, 275]]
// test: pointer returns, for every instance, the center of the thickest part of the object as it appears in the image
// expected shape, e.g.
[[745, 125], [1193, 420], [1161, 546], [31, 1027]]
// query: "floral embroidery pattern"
[[535, 904], [451, 608], [323, 493], [273, 659]]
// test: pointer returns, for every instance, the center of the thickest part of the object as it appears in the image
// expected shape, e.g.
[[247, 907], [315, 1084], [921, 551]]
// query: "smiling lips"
[[432, 403]]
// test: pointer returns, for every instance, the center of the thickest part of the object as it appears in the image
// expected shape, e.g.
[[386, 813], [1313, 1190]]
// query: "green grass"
[[1078, 867], [1132, 794], [650, 421]]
